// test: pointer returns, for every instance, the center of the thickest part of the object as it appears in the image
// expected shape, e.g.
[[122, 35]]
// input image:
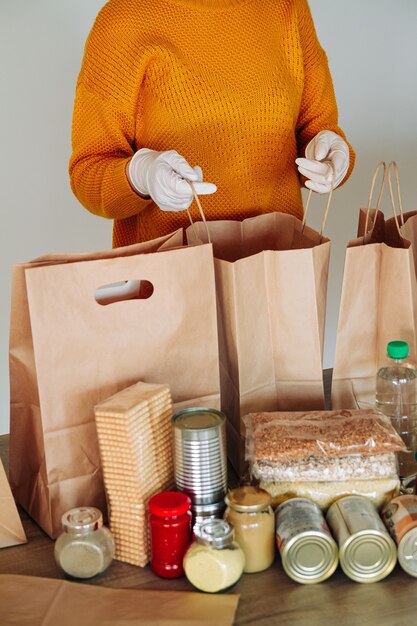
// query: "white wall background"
[[372, 50]]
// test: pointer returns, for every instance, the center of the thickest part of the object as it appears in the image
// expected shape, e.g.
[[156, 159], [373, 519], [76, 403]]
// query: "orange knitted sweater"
[[238, 87]]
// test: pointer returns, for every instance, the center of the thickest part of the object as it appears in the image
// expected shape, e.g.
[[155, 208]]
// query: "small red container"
[[170, 531]]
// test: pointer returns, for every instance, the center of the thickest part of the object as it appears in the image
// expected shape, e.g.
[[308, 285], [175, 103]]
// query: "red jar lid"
[[169, 504]]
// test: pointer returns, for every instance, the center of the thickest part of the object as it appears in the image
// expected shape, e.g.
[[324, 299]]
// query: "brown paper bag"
[[378, 304], [68, 353], [271, 280], [11, 529], [48, 602], [407, 220]]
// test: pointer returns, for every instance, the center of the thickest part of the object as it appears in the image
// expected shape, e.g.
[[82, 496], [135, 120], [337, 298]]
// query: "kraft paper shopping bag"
[[11, 529], [378, 304], [47, 602], [69, 351], [271, 280]]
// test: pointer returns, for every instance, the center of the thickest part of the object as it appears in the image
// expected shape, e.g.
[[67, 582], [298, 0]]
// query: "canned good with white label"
[[307, 548], [366, 551]]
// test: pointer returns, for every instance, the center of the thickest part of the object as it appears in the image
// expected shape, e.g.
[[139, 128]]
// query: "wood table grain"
[[266, 599]]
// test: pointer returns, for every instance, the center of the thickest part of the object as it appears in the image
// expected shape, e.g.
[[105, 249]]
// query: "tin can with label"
[[307, 548], [200, 457], [366, 551], [400, 517]]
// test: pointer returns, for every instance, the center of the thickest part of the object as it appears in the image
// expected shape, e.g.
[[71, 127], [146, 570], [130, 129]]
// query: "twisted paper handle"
[[200, 208], [374, 177], [393, 166], [326, 212]]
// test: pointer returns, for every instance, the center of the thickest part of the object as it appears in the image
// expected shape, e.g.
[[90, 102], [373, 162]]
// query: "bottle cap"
[[215, 533], [397, 349], [248, 499], [82, 520], [169, 504]]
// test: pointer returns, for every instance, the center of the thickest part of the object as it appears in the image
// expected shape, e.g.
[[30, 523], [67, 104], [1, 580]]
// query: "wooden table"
[[266, 599]]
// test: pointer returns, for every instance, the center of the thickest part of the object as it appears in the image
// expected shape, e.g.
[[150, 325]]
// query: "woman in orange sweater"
[[169, 89]]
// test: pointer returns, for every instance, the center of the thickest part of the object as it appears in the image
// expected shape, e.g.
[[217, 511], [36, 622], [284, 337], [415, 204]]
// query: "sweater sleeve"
[[318, 110], [103, 125]]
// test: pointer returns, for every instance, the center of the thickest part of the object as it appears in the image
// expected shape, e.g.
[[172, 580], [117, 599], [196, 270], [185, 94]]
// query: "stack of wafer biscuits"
[[134, 429]]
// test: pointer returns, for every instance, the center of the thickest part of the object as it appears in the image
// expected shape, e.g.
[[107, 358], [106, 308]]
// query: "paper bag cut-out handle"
[[393, 166], [380, 165], [123, 290]]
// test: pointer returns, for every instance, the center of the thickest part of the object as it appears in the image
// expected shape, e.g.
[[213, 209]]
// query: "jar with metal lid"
[[86, 547], [214, 560], [170, 531], [203, 512], [249, 512]]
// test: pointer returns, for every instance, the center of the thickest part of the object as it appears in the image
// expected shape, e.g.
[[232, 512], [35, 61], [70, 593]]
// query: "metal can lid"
[[198, 418], [82, 520], [248, 499], [368, 556], [216, 533], [407, 552], [310, 557]]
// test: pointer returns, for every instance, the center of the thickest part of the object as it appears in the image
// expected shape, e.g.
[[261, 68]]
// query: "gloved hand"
[[327, 155], [161, 175]]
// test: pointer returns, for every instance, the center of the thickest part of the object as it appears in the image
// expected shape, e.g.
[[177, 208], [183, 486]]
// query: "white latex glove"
[[161, 175], [327, 155]]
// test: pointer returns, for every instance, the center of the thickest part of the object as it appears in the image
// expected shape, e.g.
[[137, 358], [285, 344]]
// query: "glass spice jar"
[[214, 560], [170, 532], [86, 547], [249, 512]]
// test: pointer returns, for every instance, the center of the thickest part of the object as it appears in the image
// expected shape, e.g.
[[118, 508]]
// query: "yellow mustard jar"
[[250, 513]]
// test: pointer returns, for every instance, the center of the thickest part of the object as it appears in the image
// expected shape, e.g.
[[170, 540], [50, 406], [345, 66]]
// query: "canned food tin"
[[366, 551], [200, 456], [400, 517], [307, 548]]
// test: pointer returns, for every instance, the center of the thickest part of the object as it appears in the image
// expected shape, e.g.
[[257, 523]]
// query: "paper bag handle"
[[393, 166], [203, 217], [374, 177], [326, 212], [200, 208]]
